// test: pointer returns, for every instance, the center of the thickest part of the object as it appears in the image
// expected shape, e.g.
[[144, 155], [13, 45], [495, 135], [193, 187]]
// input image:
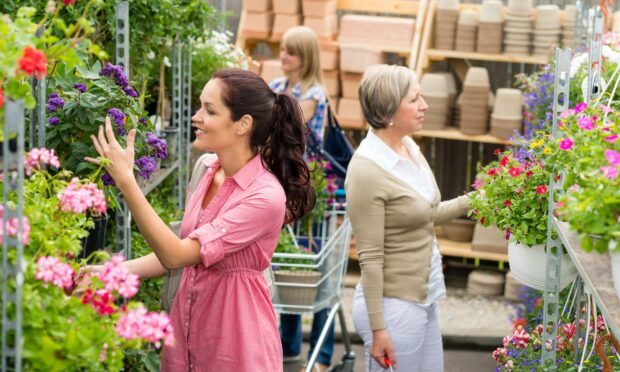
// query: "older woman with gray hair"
[[393, 202]]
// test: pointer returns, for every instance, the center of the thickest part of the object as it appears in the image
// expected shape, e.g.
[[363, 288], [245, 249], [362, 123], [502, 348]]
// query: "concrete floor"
[[454, 360]]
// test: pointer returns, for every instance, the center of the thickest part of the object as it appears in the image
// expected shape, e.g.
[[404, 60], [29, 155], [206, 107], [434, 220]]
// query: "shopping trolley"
[[330, 239]]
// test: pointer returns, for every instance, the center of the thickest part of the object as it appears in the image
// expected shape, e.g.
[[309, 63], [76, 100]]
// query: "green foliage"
[[286, 244]]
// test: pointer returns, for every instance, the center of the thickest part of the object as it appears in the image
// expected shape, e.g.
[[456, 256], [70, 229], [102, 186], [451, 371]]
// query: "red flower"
[[482, 220], [515, 171], [497, 151], [1, 98], [541, 190], [492, 172], [69, 2], [519, 322], [504, 161], [33, 61], [475, 212], [529, 174], [557, 178], [507, 203]]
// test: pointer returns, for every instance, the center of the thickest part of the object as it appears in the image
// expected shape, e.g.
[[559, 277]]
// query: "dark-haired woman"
[[256, 181]]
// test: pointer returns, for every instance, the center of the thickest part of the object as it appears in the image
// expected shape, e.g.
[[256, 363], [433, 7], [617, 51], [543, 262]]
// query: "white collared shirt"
[[420, 178]]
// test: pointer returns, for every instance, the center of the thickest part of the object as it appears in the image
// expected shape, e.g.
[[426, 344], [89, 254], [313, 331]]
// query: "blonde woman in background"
[[299, 55], [393, 202]]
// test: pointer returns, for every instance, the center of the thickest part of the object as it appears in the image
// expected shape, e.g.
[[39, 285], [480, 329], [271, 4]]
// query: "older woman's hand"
[[382, 349], [121, 160]]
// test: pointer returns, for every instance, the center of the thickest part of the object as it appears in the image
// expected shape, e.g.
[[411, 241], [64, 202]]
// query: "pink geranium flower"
[[13, 227], [152, 327], [585, 123], [38, 158], [611, 138], [566, 144], [520, 338], [610, 172], [541, 190], [581, 107], [613, 157], [79, 198], [51, 270], [119, 279], [567, 113]]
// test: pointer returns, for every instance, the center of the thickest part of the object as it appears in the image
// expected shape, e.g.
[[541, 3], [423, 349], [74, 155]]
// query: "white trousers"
[[413, 329]]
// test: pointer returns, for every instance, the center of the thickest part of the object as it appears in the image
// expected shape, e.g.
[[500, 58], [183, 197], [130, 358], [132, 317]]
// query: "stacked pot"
[[568, 26], [512, 289], [445, 19], [485, 283], [466, 31], [490, 28], [547, 29], [474, 111], [518, 27], [437, 96], [508, 113]]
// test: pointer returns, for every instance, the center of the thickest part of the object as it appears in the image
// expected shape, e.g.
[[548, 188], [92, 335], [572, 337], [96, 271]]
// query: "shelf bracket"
[[554, 244]]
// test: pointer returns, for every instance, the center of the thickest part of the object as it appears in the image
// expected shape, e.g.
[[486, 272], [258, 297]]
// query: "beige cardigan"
[[393, 227]]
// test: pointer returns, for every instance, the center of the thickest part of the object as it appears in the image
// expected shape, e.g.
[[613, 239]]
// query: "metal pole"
[[186, 118], [12, 269], [177, 118], [122, 35], [554, 245]]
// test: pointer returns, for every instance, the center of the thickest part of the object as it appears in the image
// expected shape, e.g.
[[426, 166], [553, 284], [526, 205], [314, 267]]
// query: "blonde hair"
[[382, 89], [301, 41]]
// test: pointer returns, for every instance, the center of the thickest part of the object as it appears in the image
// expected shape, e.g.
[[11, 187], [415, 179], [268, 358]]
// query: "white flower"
[[150, 55], [50, 8], [167, 62]]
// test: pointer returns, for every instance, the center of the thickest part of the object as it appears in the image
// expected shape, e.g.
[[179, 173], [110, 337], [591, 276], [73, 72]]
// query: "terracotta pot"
[[293, 295], [318, 8], [509, 103], [257, 5], [350, 84], [324, 27], [548, 17], [448, 4], [357, 58], [283, 22], [271, 69], [489, 239], [330, 55], [287, 6], [376, 31], [468, 17], [477, 77], [520, 7], [491, 11], [459, 230], [434, 85], [332, 83], [259, 24]]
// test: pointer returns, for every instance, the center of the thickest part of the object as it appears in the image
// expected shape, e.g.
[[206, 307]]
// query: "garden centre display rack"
[[594, 271], [13, 173], [247, 42]]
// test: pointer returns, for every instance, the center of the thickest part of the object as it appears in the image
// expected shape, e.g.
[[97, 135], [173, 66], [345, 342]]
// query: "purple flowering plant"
[[79, 100]]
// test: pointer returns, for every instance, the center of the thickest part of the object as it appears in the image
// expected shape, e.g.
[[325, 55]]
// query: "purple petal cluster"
[[54, 120], [108, 180], [147, 166], [80, 87], [159, 145], [143, 121], [54, 102], [117, 73], [119, 118]]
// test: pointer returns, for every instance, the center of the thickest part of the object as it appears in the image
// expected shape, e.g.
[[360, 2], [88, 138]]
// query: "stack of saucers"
[[474, 101], [507, 114], [437, 96], [485, 283], [568, 26], [445, 19], [466, 31], [490, 28]]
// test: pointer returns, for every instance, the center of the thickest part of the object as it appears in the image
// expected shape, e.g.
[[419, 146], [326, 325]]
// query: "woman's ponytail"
[[283, 153], [279, 134]]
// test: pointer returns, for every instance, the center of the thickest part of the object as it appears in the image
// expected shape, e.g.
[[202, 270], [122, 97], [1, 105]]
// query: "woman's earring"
[[391, 124]]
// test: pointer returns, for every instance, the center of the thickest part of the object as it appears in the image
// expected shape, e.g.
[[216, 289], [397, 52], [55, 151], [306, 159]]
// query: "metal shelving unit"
[[12, 270], [593, 270]]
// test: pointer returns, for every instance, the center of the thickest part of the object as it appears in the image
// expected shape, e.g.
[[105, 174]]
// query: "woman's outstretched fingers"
[[102, 141], [97, 145], [92, 160], [131, 138], [109, 133]]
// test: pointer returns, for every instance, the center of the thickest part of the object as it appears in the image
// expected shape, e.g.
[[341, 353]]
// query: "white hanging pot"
[[528, 265], [615, 266]]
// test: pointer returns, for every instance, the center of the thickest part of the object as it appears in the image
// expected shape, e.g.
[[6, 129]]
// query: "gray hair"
[[382, 89]]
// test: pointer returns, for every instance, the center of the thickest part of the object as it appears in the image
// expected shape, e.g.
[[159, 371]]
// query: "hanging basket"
[[293, 295], [95, 241], [528, 265]]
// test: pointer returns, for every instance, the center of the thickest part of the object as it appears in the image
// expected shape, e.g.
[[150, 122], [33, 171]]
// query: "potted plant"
[[299, 270], [515, 199]]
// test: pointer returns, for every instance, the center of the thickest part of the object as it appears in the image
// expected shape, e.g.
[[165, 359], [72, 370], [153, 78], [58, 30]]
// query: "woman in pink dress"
[[256, 181]]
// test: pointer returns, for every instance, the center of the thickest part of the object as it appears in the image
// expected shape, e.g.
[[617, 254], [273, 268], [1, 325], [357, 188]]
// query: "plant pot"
[[95, 241], [459, 230], [614, 258], [301, 296], [528, 265], [171, 136]]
